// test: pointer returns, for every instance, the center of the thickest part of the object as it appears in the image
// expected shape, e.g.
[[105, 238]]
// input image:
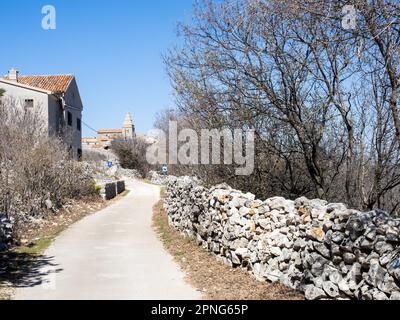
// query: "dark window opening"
[[28, 103], [69, 118], [79, 154], [78, 124]]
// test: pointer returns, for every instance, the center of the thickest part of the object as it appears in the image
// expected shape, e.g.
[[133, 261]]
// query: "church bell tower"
[[128, 128]]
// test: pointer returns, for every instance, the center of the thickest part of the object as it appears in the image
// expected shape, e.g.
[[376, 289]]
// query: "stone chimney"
[[13, 75]]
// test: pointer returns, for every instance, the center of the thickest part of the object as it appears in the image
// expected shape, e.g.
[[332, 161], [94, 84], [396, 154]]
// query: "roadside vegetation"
[[37, 174], [132, 155], [43, 190], [322, 98]]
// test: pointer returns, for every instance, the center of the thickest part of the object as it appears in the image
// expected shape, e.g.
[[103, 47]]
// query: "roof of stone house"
[[110, 131], [54, 83], [89, 139], [105, 139]]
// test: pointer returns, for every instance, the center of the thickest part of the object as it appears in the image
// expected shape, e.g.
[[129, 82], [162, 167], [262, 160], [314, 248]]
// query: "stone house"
[[106, 136], [55, 96]]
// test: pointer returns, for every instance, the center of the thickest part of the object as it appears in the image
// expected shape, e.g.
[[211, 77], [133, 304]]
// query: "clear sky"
[[113, 47]]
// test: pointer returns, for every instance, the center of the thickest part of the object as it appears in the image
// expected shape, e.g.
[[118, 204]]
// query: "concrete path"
[[113, 254]]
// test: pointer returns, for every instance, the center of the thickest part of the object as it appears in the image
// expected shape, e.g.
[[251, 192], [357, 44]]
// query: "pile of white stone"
[[100, 172], [157, 178], [128, 173], [322, 249]]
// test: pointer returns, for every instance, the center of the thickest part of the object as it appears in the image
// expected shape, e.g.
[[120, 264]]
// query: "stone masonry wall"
[[120, 186], [322, 249], [110, 190], [6, 229]]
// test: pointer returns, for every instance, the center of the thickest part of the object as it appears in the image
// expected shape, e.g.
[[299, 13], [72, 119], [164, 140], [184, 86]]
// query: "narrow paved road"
[[113, 254]]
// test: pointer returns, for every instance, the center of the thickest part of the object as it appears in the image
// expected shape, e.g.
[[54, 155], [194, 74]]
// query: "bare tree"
[[132, 154], [290, 71]]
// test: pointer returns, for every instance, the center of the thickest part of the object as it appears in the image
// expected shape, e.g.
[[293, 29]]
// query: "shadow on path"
[[21, 270]]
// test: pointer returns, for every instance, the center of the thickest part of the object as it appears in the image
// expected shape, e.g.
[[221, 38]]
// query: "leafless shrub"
[[36, 171], [132, 155], [326, 115], [93, 156]]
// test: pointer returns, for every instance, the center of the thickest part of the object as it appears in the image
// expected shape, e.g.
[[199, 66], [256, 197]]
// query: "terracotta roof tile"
[[89, 139], [53, 83], [110, 131]]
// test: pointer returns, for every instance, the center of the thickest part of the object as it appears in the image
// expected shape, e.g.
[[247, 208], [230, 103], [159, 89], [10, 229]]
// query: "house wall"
[[19, 95], [74, 105], [109, 136], [128, 133], [55, 115], [51, 109]]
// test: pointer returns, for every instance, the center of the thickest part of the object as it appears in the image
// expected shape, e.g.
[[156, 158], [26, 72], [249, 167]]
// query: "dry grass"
[[214, 279], [51, 227]]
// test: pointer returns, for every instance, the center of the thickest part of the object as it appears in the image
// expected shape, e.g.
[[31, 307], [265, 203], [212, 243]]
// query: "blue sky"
[[113, 47]]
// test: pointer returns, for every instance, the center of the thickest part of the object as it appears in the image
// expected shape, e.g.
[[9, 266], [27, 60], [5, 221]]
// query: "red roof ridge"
[[53, 82], [109, 130], [46, 75]]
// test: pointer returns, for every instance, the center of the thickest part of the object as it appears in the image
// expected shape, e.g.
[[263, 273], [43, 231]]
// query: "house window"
[[28, 103], [78, 124], [69, 118]]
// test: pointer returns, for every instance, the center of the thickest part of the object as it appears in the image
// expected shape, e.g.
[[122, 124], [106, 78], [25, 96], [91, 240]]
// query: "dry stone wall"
[[120, 186], [128, 173], [6, 230], [157, 178], [323, 249], [110, 190]]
